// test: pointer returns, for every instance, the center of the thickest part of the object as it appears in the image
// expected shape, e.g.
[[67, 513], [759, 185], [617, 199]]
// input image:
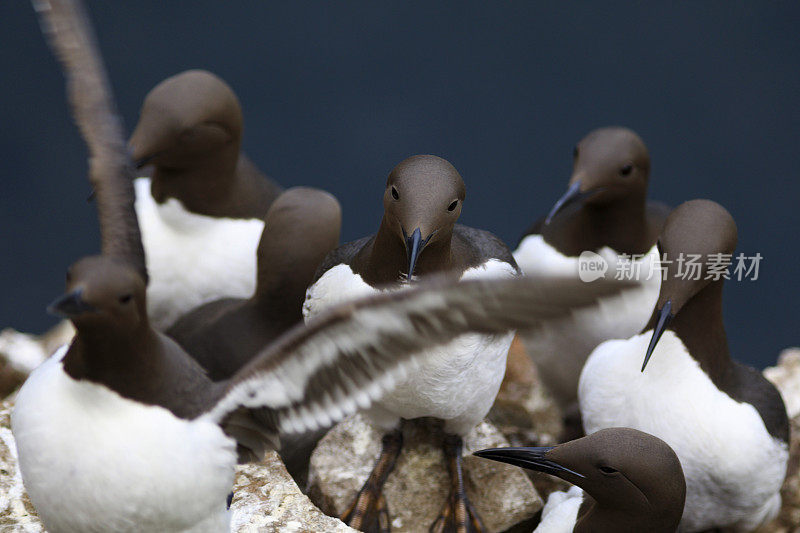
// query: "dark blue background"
[[335, 95]]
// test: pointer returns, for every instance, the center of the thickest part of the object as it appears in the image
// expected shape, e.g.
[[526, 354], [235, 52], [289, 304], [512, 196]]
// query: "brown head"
[[103, 295], [422, 203], [694, 231], [633, 476], [301, 227], [188, 121], [609, 164]]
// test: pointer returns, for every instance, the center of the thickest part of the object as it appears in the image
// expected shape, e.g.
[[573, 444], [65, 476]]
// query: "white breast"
[[456, 382], [94, 461], [734, 468], [560, 349], [193, 259], [561, 511]]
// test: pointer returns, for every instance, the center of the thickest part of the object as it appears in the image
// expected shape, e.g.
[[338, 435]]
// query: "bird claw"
[[369, 511], [459, 516]]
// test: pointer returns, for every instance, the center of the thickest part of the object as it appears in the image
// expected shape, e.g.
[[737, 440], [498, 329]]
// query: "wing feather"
[[67, 28], [347, 357]]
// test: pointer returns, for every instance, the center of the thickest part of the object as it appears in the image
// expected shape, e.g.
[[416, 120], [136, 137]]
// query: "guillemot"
[[131, 425], [201, 211], [604, 211], [301, 227], [625, 481], [725, 421], [457, 383]]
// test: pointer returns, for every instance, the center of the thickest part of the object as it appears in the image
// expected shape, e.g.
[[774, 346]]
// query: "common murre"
[[201, 210], [604, 211], [725, 421], [301, 227], [457, 383], [625, 481]]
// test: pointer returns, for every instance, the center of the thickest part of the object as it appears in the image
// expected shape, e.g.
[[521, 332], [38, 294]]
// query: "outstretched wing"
[[347, 357], [67, 28]]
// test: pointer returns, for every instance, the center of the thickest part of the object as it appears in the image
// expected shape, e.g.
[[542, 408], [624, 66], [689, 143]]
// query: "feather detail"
[[350, 355], [72, 40]]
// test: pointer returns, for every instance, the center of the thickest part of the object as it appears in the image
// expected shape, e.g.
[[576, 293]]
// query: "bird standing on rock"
[[605, 212], [726, 422], [457, 383], [201, 211]]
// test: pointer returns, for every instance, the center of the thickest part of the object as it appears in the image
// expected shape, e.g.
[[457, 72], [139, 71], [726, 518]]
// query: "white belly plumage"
[[456, 382], [93, 461], [734, 468], [193, 259], [560, 513], [560, 350]]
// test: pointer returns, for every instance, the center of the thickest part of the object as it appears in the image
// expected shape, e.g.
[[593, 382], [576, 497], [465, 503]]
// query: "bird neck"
[[620, 224], [223, 184], [138, 365], [111, 358], [595, 518], [279, 299], [289, 253], [700, 327], [387, 261]]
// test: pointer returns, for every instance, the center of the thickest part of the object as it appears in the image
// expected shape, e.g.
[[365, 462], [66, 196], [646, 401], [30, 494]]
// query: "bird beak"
[[414, 246], [70, 305], [665, 316], [530, 458], [572, 195]]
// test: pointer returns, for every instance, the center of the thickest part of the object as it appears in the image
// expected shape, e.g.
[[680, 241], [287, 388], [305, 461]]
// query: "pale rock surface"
[[786, 377], [266, 498], [417, 488], [17, 514]]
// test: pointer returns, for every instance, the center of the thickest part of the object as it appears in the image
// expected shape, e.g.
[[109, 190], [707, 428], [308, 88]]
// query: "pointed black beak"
[[530, 458], [414, 246], [570, 196], [664, 318], [70, 305]]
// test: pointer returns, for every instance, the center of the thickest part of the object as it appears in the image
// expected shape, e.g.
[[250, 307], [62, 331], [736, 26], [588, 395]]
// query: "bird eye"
[[395, 194], [607, 470], [627, 169], [452, 206], [125, 298]]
